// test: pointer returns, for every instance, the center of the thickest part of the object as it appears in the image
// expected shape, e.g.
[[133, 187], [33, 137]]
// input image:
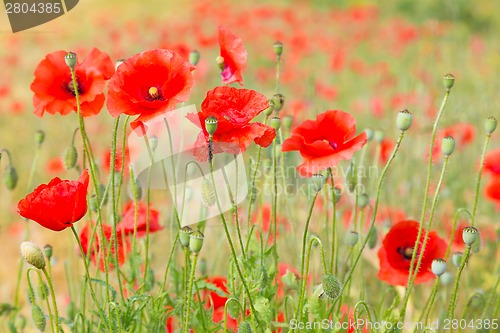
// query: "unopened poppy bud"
[[202, 266], [208, 193], [470, 235], [477, 299], [279, 101], [211, 124], [372, 238], [337, 192], [270, 109], [220, 62], [278, 48], [363, 200], [449, 81], [194, 57], [39, 137], [244, 327], [438, 266], [153, 142], [352, 238], [317, 182], [10, 177], [447, 146], [32, 254], [288, 121], [350, 178], [457, 259], [135, 192], [184, 235], [38, 318], [490, 125], [118, 63], [196, 241], [47, 251], [369, 133], [70, 157], [446, 278], [70, 59], [331, 286], [378, 136], [404, 120], [275, 123]]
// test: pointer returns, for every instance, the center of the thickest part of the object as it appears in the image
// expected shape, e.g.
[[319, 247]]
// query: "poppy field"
[[264, 166]]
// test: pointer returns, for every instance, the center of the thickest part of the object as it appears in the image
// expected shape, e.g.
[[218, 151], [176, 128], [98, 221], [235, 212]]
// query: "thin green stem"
[[189, 296], [478, 182], [333, 259], [53, 297], [453, 301]]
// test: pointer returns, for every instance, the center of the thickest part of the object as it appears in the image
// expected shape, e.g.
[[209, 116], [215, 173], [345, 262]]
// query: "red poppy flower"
[[118, 160], [264, 220], [234, 54], [96, 252], [214, 298], [397, 250], [53, 86], [234, 109], [57, 205], [492, 191], [492, 162], [324, 142], [128, 217], [149, 84]]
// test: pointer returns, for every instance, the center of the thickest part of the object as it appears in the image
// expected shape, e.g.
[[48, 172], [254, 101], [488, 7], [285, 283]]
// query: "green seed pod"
[[276, 123], [317, 181], [457, 259], [202, 266], [279, 102], [38, 318], [448, 146], [70, 59], [208, 193], [211, 124], [477, 300], [372, 238], [331, 285], [39, 137], [438, 266], [184, 235], [470, 235], [490, 125], [337, 193], [32, 254], [153, 142], [446, 278], [379, 136], [196, 241], [47, 251], [10, 178], [70, 157], [194, 57], [476, 246], [244, 327], [136, 192], [369, 133], [404, 120], [352, 238], [363, 200], [288, 121], [278, 48], [448, 81]]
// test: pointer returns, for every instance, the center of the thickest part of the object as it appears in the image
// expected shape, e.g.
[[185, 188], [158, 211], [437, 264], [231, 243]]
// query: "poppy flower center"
[[406, 252], [332, 144], [153, 94], [71, 88]]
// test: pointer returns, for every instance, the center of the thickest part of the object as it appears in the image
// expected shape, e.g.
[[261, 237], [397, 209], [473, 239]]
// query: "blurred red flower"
[[55, 166], [53, 87], [492, 162], [234, 109], [57, 205], [234, 55], [118, 159], [149, 84], [463, 133], [96, 252], [264, 220], [324, 142], [214, 298], [126, 225], [397, 250], [492, 191]]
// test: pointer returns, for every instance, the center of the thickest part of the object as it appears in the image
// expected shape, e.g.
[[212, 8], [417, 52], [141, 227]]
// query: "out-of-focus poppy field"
[[264, 166]]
